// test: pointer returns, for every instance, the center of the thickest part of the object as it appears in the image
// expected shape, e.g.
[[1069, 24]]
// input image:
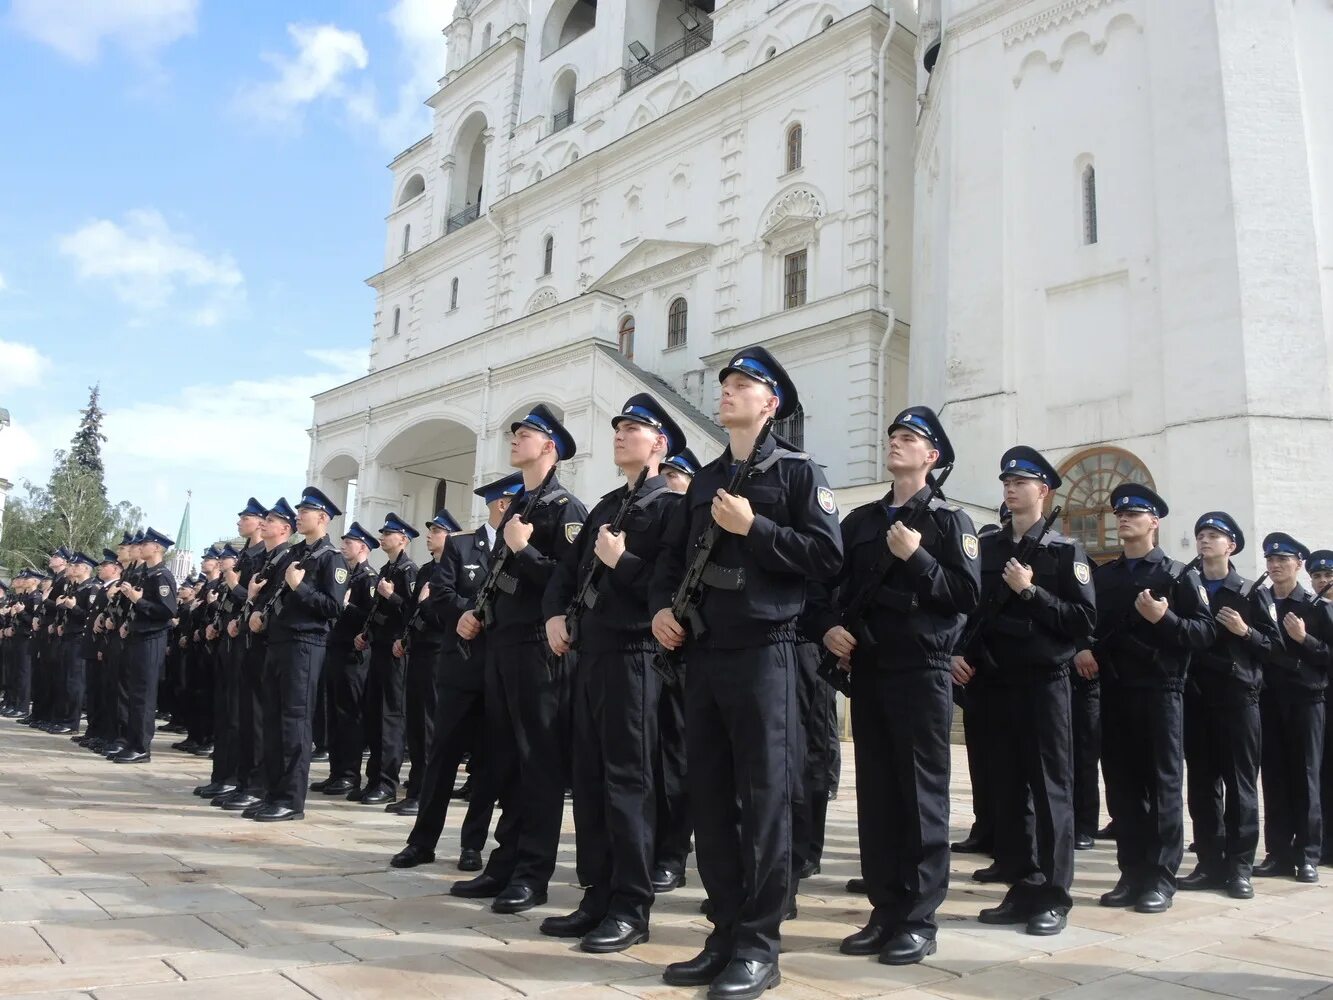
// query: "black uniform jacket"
[[390, 616], [1239, 657], [1298, 671], [794, 539], [618, 612], [153, 612], [307, 613], [1130, 650], [556, 523], [360, 596], [1028, 639]]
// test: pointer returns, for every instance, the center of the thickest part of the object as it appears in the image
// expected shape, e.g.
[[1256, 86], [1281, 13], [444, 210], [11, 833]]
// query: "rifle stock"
[[586, 594]]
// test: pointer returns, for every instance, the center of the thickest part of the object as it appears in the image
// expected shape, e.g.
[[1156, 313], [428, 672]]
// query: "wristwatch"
[[1027, 593]]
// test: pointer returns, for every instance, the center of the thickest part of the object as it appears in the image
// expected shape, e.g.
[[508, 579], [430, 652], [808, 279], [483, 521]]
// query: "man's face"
[[1320, 579], [392, 542], [745, 401], [1282, 568], [498, 507], [108, 571], [227, 565], [1211, 544], [310, 520], [909, 453], [353, 550], [435, 539], [677, 481], [247, 525], [56, 564], [209, 566], [1135, 526], [276, 529], [1024, 493], [527, 445], [637, 444]]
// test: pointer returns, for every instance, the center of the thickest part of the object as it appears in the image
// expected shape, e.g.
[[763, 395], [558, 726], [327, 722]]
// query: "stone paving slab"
[[117, 884]]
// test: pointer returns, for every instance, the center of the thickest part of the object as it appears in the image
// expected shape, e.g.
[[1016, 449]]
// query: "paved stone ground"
[[115, 882]]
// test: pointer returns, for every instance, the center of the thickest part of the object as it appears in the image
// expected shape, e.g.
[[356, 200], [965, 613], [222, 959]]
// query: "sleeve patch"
[[164, 590], [1082, 574], [340, 575], [827, 503], [971, 546], [572, 531], [1272, 612], [1203, 595]]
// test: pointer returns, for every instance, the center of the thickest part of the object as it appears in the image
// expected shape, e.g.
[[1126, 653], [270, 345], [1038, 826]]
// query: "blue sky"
[[191, 196]]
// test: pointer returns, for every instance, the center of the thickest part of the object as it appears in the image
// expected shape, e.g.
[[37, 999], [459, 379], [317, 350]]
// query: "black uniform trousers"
[[422, 686], [901, 722], [145, 653], [615, 706], [110, 724], [817, 708], [45, 666], [741, 720], [291, 676], [74, 673], [347, 668], [1033, 774], [1326, 785], [460, 719], [1293, 750], [1085, 712], [250, 774], [670, 778], [977, 703], [322, 726], [1222, 773], [228, 656], [1142, 760], [527, 716], [202, 665], [385, 718], [21, 654], [122, 662]]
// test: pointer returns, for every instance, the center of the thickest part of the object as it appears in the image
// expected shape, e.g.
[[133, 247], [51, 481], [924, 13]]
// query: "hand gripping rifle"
[[484, 608], [1003, 593], [585, 597], [690, 593], [854, 617]]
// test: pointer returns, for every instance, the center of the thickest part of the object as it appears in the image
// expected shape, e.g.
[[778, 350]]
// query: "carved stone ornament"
[[795, 207]]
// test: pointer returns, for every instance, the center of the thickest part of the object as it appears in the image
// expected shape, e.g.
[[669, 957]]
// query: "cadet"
[[616, 690], [419, 647], [461, 711], [297, 619], [526, 693], [672, 842], [1222, 714], [1036, 616], [740, 694], [386, 679], [1292, 718], [1320, 568], [902, 702], [77, 604], [1141, 650], [347, 668], [153, 599]]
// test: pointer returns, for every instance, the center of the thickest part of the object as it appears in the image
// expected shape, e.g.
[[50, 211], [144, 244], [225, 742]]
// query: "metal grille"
[[562, 119], [696, 41], [791, 428], [1089, 205], [460, 220], [793, 279], [794, 138], [676, 319]]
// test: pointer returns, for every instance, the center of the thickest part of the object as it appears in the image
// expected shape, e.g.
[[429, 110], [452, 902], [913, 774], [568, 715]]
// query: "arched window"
[[548, 254], [791, 428], [407, 237], [794, 135], [625, 337], [562, 100], [453, 294], [1089, 477], [1089, 191], [772, 51], [485, 38], [677, 315], [828, 22], [397, 316], [415, 186]]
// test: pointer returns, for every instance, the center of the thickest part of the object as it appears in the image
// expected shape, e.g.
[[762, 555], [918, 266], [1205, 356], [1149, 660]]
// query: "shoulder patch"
[[340, 575], [164, 590], [1203, 595], [827, 503], [971, 546], [572, 531], [1082, 573], [1272, 611]]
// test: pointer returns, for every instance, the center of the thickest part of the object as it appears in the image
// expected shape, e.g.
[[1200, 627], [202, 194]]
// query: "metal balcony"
[[696, 41], [460, 220], [562, 120]]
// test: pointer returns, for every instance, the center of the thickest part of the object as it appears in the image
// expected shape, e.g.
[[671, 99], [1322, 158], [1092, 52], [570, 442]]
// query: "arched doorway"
[[1089, 477], [425, 466], [468, 188]]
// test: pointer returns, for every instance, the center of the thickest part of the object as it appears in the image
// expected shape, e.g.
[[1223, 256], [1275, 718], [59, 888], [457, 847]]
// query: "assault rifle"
[[585, 596], [1003, 594], [484, 608], [854, 617], [690, 594]]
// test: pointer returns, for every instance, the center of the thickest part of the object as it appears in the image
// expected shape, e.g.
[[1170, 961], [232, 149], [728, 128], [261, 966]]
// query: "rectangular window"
[[793, 279]]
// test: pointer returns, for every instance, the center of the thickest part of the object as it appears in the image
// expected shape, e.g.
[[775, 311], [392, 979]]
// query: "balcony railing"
[[562, 120], [696, 41], [460, 220]]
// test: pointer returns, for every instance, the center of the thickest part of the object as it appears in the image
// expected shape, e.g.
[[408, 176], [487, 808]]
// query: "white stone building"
[[1093, 224]]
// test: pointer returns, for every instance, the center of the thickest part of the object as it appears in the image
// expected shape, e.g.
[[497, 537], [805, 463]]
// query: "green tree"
[[86, 447]]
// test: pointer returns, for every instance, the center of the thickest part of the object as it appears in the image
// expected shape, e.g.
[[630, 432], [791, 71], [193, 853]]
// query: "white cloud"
[[78, 29], [21, 365], [418, 27], [151, 267], [324, 58]]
